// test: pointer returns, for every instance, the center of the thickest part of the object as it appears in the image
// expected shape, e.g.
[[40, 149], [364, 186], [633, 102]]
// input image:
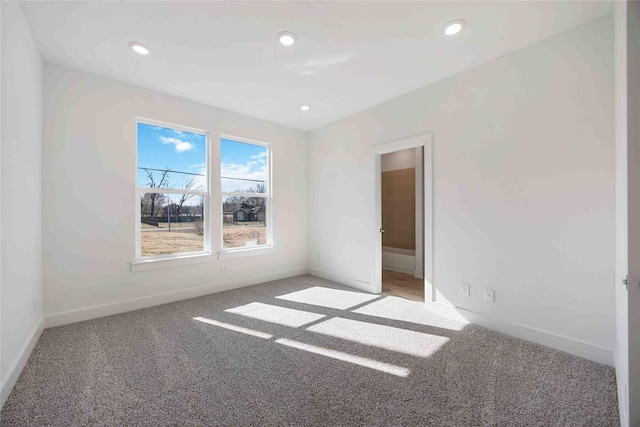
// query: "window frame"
[[157, 261], [243, 251]]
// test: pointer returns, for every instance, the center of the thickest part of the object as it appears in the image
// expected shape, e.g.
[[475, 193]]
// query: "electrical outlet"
[[489, 295], [223, 268], [465, 289]]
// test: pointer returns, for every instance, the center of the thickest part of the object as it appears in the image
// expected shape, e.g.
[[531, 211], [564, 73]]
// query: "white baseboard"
[[59, 319], [558, 342], [418, 274], [622, 375], [400, 262], [353, 283], [19, 364]]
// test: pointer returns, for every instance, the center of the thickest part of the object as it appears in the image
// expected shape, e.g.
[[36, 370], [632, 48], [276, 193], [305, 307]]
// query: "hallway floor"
[[402, 285]]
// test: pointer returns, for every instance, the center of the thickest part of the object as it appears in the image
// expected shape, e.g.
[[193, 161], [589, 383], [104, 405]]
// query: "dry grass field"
[[165, 242], [236, 236], [163, 225], [183, 238]]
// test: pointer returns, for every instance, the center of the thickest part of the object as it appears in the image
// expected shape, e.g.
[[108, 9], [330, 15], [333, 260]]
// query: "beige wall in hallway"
[[398, 208]]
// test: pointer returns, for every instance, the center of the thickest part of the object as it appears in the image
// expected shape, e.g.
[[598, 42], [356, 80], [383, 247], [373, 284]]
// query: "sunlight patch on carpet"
[[386, 337], [401, 309], [346, 357], [274, 314], [235, 328], [327, 297]]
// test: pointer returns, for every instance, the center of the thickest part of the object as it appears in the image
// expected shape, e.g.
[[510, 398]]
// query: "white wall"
[[89, 176], [21, 249], [523, 159]]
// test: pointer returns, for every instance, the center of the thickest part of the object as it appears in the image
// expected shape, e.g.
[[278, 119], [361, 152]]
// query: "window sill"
[[245, 252], [152, 264]]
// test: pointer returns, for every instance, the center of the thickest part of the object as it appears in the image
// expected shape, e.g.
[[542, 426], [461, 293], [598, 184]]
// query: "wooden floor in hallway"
[[402, 285]]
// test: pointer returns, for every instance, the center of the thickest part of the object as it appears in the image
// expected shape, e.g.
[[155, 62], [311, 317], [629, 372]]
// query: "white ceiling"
[[349, 55]]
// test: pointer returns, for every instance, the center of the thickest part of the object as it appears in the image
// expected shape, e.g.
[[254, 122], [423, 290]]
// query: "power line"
[[243, 179], [171, 171], [200, 174]]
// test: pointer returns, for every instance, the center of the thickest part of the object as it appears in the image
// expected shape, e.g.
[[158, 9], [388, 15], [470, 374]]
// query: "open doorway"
[[404, 215], [402, 222]]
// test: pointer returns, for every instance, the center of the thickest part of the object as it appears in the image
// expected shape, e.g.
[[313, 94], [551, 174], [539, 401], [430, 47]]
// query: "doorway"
[[404, 265], [402, 221]]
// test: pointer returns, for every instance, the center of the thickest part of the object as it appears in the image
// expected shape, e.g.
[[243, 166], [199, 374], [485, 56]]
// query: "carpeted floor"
[[301, 351]]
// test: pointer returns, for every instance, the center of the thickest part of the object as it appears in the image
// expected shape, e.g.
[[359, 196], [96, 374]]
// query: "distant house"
[[243, 213]]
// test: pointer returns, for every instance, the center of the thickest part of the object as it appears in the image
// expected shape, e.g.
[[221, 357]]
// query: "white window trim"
[[246, 251], [161, 261]]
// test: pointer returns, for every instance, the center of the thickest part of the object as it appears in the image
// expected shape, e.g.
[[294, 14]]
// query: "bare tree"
[[149, 199], [198, 225], [188, 185], [231, 201], [237, 200], [257, 201], [155, 199]]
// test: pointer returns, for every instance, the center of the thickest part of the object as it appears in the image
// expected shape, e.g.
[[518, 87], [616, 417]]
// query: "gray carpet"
[[301, 351]]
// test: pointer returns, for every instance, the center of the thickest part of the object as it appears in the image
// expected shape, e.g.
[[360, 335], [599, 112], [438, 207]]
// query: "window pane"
[[170, 158], [171, 223], [244, 221], [243, 166]]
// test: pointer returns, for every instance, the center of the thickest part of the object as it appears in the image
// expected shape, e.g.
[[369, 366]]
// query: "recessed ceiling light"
[[454, 27], [305, 107], [140, 48], [286, 38]]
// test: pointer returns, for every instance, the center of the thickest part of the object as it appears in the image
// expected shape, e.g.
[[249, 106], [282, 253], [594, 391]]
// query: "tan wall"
[[398, 208]]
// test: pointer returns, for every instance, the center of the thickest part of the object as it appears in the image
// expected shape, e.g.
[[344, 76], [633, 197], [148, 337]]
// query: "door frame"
[[424, 140], [633, 208]]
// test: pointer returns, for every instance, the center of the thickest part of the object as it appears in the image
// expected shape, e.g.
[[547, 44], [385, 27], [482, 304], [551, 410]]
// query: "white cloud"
[[200, 181], [180, 145], [246, 171], [185, 135], [262, 156]]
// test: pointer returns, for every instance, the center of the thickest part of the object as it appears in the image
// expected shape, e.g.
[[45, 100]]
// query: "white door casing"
[[423, 140]]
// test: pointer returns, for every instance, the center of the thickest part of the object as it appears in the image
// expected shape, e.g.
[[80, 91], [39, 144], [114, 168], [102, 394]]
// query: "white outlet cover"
[[489, 295], [465, 289]]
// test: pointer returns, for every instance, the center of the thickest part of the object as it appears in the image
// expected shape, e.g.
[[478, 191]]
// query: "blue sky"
[[242, 161], [181, 151], [159, 148]]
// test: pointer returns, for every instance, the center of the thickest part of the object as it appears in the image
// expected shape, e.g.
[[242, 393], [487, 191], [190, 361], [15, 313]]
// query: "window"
[[172, 191], [245, 175]]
